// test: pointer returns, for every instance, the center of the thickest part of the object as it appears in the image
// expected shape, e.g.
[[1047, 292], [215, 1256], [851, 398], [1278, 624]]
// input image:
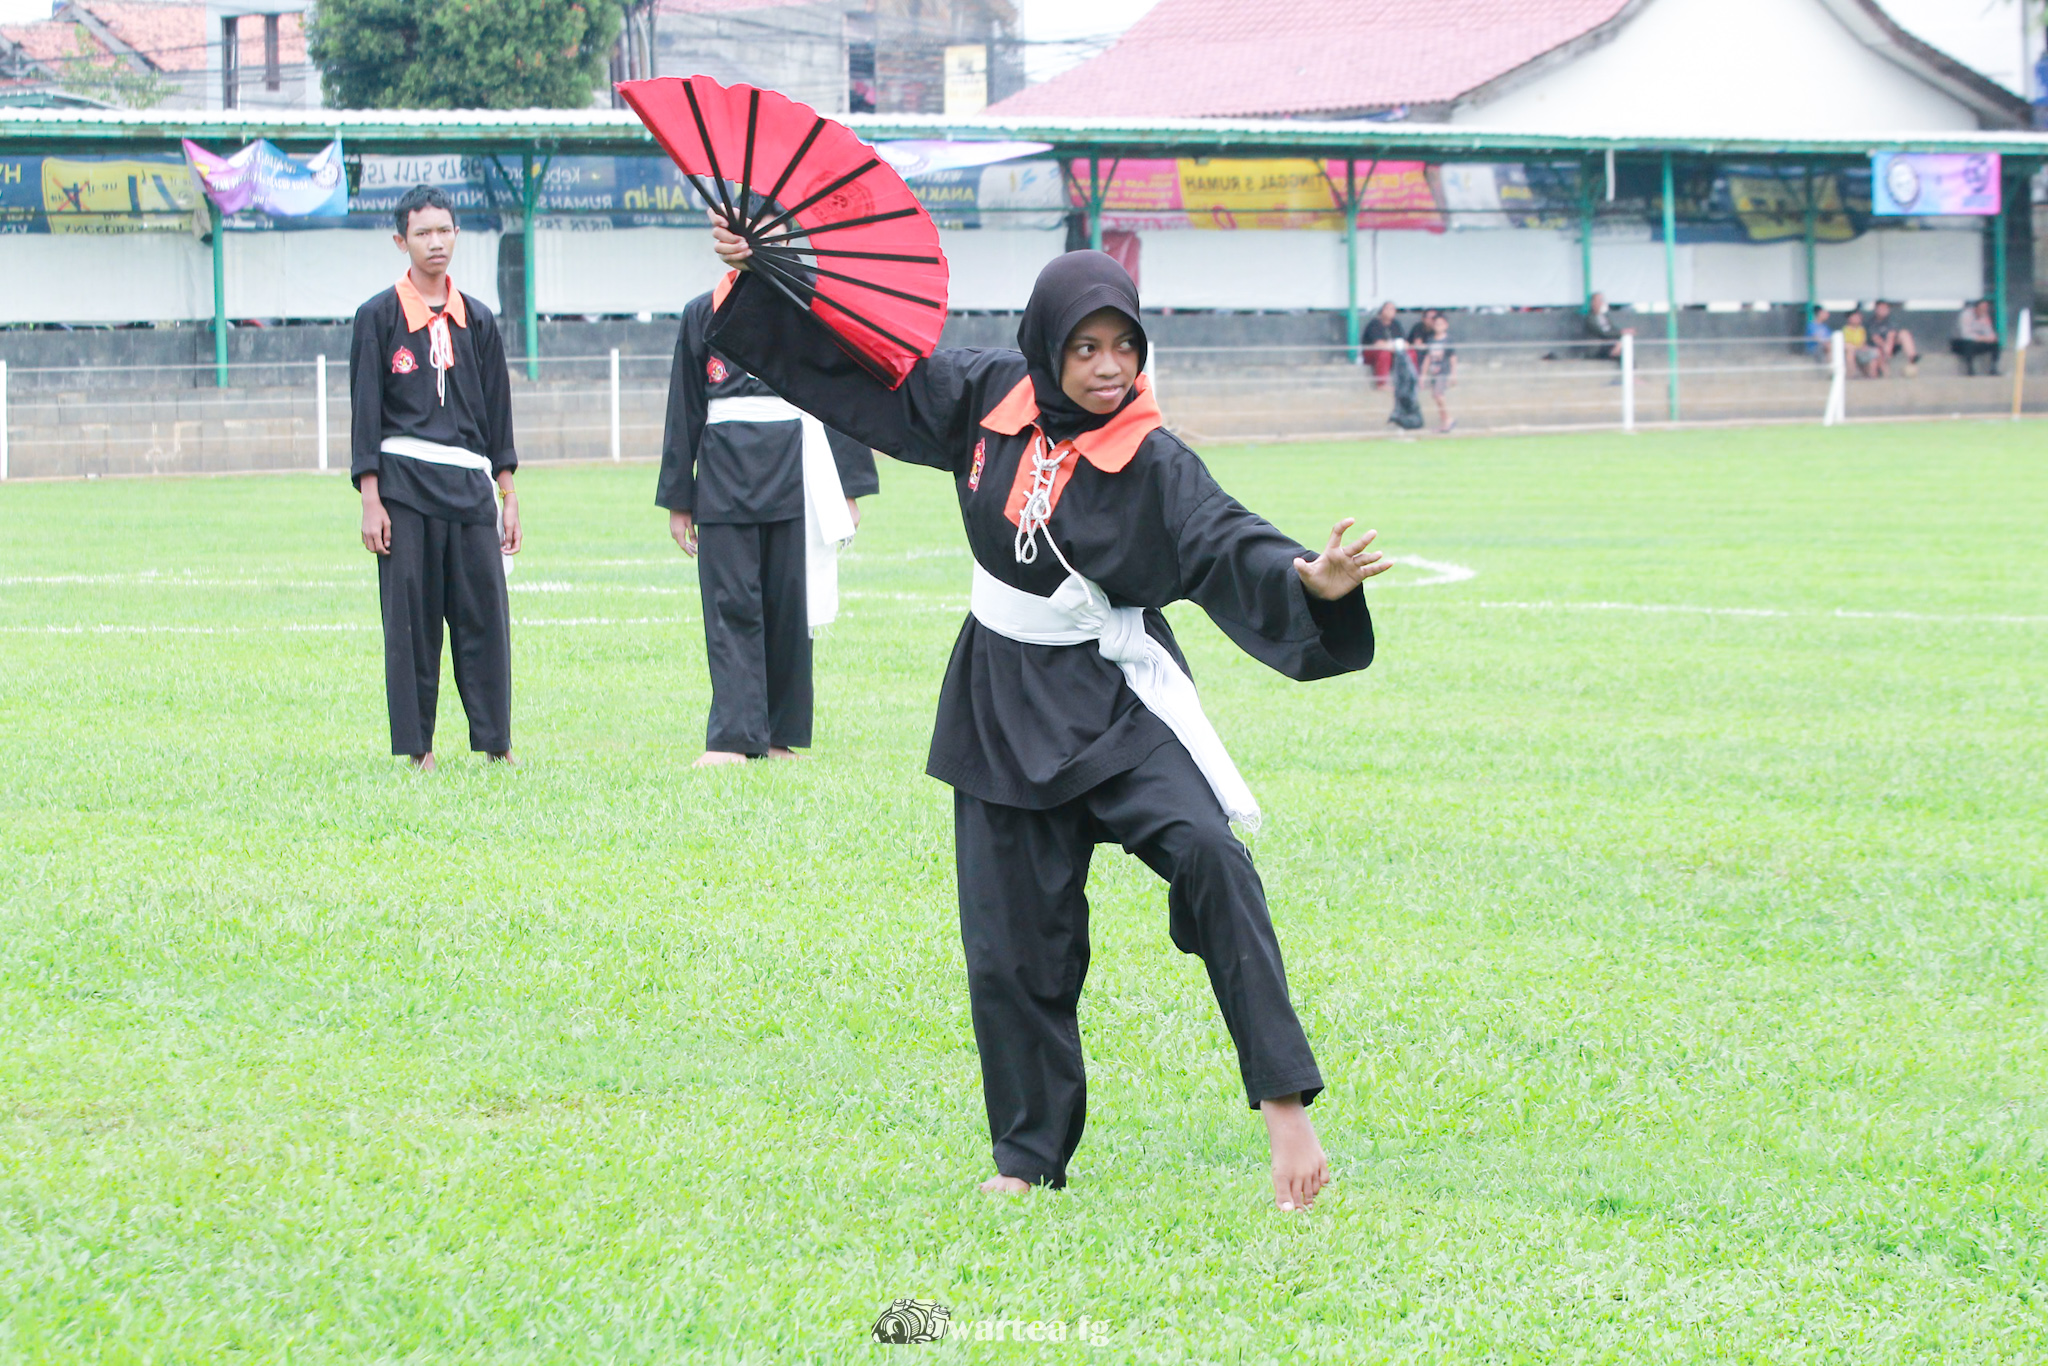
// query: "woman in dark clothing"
[[1066, 718]]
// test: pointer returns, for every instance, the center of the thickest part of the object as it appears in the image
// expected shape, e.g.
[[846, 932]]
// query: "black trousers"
[[1967, 352], [439, 570], [757, 635], [1023, 879]]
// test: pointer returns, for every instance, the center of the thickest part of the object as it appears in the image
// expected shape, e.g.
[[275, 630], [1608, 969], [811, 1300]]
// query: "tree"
[[462, 54]]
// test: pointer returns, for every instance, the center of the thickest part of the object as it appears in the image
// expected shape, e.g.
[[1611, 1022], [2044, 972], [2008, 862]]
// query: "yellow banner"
[[108, 196], [1219, 193]]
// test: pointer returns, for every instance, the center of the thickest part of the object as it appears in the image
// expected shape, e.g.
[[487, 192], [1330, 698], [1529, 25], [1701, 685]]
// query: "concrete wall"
[[799, 50]]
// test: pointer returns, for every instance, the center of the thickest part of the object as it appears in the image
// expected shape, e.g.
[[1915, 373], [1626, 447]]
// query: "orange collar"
[[1109, 447], [418, 311], [722, 288]]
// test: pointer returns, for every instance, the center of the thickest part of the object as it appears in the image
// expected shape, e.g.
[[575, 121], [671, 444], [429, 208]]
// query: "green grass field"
[[1678, 974]]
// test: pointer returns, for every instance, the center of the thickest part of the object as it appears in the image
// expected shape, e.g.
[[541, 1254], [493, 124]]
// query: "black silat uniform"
[[445, 563], [1046, 747], [743, 483]]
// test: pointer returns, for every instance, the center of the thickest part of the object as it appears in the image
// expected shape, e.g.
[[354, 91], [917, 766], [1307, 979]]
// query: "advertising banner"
[[1938, 184], [96, 194], [263, 178]]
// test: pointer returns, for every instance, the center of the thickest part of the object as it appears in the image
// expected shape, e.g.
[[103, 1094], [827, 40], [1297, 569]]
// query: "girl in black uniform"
[[1085, 517]]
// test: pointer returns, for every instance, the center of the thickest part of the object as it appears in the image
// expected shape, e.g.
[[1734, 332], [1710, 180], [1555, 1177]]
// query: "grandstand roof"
[[1336, 58], [589, 131]]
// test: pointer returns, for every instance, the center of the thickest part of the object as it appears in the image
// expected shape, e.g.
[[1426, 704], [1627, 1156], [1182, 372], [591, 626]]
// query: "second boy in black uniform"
[[761, 494]]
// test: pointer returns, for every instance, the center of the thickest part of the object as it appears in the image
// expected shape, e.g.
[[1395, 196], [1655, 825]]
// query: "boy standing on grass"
[[761, 496], [431, 429]]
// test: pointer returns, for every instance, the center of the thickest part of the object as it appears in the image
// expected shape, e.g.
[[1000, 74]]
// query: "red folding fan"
[[832, 225]]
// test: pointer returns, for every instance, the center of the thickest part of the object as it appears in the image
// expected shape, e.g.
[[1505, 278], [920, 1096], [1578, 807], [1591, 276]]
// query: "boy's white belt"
[[827, 523], [434, 453], [1079, 612]]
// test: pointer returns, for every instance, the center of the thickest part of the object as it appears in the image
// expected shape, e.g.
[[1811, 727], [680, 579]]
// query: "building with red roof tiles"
[[1684, 67], [168, 55]]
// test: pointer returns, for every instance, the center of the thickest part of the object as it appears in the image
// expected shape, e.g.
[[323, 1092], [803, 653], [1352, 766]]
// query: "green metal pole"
[[1351, 258], [1812, 232], [1586, 232], [220, 297], [1671, 286], [1998, 282], [530, 196], [1096, 194]]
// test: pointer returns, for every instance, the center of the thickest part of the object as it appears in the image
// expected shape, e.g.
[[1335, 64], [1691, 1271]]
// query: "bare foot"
[[778, 752], [422, 763], [504, 756], [712, 758], [1004, 1185], [1299, 1167]]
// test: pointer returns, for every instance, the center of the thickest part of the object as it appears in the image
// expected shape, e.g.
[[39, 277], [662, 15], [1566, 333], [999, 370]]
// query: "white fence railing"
[[274, 415]]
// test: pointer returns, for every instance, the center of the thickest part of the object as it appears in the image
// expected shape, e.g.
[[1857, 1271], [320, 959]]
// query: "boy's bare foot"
[[1004, 1185], [503, 756], [422, 763], [712, 758], [1300, 1170], [778, 752]]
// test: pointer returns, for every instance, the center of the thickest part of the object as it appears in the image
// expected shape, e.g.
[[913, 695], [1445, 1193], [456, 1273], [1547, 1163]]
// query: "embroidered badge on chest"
[[980, 459], [402, 362], [715, 371]]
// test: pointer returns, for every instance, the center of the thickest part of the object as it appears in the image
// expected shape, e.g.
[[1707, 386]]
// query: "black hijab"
[[1069, 289]]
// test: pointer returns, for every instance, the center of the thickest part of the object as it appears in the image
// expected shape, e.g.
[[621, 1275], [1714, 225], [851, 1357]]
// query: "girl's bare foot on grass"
[[778, 752], [1004, 1185], [422, 763], [712, 758], [504, 756], [1299, 1168]]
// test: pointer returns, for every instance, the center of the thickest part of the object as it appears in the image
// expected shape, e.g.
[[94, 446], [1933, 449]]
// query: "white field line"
[[1692, 609], [316, 628], [1440, 571]]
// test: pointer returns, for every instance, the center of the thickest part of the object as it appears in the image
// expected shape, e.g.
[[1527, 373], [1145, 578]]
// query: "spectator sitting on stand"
[[1818, 333], [1856, 341], [1380, 335], [1891, 339], [1601, 328], [1976, 335], [1420, 334]]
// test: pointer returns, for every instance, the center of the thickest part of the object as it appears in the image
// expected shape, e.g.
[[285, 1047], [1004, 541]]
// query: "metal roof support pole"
[[1351, 260], [1812, 232], [529, 196], [1586, 232], [1097, 192], [220, 295], [1999, 311], [1670, 288]]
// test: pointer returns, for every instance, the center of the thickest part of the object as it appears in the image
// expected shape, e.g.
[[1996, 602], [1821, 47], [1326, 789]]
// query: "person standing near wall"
[[432, 455]]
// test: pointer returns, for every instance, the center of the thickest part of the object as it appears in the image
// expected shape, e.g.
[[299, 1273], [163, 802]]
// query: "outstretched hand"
[[732, 248], [1341, 568]]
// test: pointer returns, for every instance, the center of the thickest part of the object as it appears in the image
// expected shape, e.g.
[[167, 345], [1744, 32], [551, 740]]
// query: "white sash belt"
[[1080, 612], [827, 524], [434, 453]]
